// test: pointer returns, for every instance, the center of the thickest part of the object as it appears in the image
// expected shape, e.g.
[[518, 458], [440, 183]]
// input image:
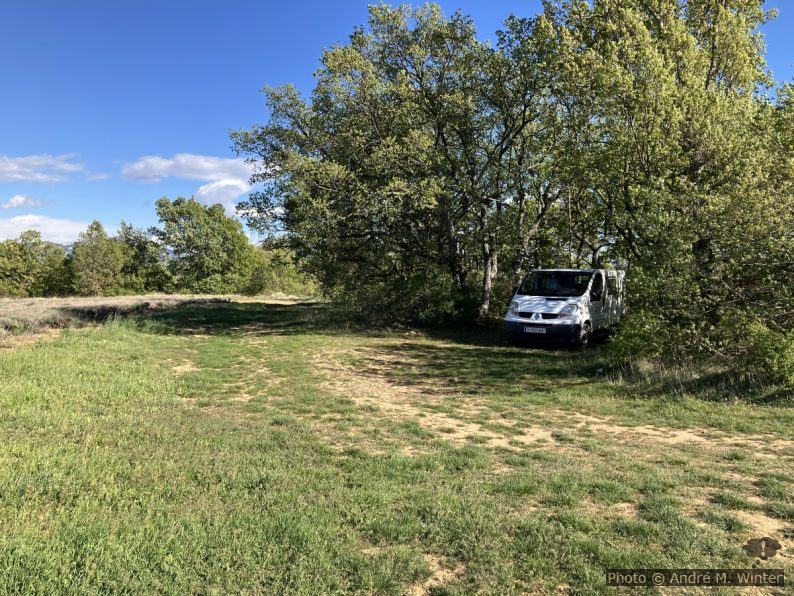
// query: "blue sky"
[[108, 105]]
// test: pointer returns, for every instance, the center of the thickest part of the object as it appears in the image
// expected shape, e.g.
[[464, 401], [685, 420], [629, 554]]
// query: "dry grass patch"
[[373, 386], [187, 367], [25, 321], [57, 312], [627, 510], [440, 577], [410, 401], [761, 525], [709, 438], [10, 341]]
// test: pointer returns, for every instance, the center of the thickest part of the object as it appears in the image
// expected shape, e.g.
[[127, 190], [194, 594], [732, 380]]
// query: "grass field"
[[262, 447]]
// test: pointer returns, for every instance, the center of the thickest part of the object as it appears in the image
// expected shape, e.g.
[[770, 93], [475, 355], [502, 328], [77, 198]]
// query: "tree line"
[[428, 170], [196, 249]]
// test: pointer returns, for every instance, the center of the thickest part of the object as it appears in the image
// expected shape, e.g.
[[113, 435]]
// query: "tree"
[[210, 251], [673, 163], [30, 266], [97, 262], [144, 268], [48, 271], [13, 266], [275, 272], [416, 162]]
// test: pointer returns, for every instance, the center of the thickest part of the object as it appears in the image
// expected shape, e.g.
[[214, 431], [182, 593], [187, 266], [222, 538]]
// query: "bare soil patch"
[[400, 402], [674, 436], [185, 368], [374, 388], [440, 577]]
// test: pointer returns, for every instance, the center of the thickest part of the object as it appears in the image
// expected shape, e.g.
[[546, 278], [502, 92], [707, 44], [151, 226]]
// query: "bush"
[[641, 334], [227, 283], [274, 272], [767, 356], [422, 297]]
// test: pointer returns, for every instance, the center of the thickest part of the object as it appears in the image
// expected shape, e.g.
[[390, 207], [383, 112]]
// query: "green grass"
[[731, 500], [263, 448], [724, 521]]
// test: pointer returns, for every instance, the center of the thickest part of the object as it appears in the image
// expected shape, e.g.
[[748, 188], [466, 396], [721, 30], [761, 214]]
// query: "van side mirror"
[[595, 296]]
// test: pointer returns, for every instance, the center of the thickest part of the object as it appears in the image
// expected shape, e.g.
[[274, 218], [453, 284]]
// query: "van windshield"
[[555, 283]]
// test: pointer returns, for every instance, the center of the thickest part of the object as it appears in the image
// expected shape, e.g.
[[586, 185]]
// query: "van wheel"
[[583, 340]]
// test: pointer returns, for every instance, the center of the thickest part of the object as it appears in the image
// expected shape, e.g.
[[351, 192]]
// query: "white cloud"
[[19, 201], [222, 191], [151, 168], [226, 178], [62, 231], [38, 168]]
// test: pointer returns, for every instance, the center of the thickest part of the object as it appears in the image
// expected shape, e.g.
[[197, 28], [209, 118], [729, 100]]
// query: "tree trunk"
[[526, 237], [703, 251], [453, 253], [595, 260], [518, 257], [489, 273]]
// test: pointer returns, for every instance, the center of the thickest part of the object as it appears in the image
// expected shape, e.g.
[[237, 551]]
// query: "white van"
[[565, 305]]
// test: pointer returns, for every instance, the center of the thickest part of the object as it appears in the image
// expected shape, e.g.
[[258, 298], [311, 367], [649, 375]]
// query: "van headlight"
[[569, 310], [514, 308]]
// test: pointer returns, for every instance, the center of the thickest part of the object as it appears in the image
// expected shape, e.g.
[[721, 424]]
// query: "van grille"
[[544, 315]]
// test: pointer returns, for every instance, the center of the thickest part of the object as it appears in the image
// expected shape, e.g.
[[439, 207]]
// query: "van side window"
[[598, 285], [612, 284]]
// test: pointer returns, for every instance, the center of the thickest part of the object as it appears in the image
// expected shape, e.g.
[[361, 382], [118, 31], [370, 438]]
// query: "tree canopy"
[[428, 170], [198, 248], [210, 250]]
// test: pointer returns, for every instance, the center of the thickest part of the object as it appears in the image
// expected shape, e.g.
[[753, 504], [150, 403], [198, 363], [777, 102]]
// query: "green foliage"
[[145, 263], [12, 264], [209, 250], [767, 355], [405, 174], [199, 250], [275, 272], [426, 296], [97, 262], [30, 266]]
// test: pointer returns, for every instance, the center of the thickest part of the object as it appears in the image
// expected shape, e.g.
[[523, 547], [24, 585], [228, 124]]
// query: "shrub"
[[274, 272], [767, 355]]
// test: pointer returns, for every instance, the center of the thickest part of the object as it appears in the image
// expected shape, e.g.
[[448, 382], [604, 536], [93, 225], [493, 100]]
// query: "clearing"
[[213, 446]]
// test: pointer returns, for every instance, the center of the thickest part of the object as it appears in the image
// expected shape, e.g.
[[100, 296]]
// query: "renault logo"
[[536, 316]]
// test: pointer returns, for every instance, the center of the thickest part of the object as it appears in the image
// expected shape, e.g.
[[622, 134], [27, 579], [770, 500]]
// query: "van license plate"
[[534, 330]]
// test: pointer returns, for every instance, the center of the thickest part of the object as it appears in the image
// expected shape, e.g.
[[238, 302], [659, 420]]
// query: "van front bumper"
[[557, 333]]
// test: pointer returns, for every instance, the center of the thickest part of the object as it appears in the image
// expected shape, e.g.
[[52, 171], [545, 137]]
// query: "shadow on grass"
[[719, 386], [220, 317], [465, 366], [243, 318], [469, 359], [98, 313]]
